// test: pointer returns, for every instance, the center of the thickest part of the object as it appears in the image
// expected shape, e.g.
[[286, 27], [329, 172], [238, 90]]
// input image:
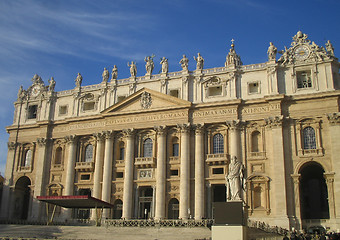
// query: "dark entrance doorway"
[[145, 202], [82, 213], [313, 192], [173, 209], [118, 209], [22, 195], [219, 193]]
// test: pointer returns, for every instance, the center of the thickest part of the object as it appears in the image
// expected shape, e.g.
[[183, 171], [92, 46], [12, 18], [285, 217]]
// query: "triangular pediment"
[[146, 100]]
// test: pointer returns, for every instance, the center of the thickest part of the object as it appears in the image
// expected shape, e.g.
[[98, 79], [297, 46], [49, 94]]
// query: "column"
[[329, 177], [40, 180], [160, 173], [71, 161], [128, 174], [184, 171], [199, 172], [136, 202], [209, 203], [8, 182], [234, 138], [98, 168], [107, 171], [296, 181]]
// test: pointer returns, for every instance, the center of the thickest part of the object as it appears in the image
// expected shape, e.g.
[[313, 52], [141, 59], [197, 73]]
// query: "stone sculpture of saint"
[[149, 64], [52, 84], [235, 180], [133, 69], [105, 75], [165, 65], [272, 50], [200, 62], [330, 48], [78, 80], [114, 73], [184, 62]]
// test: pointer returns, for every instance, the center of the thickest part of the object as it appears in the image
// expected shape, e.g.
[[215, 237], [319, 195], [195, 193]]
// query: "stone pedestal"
[[229, 232]]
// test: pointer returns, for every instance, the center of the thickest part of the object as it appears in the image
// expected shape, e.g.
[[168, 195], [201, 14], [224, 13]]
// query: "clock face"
[[301, 52], [35, 91]]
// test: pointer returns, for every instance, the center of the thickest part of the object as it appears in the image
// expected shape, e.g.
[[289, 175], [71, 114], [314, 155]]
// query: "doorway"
[[22, 193], [145, 202]]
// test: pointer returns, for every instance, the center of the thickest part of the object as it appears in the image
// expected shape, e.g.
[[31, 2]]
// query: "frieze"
[[220, 112], [261, 109]]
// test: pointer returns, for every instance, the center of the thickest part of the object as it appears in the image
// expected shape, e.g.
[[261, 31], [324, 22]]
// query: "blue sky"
[[61, 38]]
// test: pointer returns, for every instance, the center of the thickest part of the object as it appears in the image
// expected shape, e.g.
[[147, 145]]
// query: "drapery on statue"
[[235, 180], [149, 64], [200, 62], [272, 50], [114, 73], [78, 80], [184, 62], [133, 69], [105, 75], [165, 65]]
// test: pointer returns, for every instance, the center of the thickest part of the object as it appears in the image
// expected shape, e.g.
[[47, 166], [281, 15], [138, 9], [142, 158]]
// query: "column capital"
[[129, 132], [161, 130], [100, 136], [329, 177], [184, 128], [296, 178], [334, 118], [234, 124], [70, 138], [275, 121], [199, 128], [11, 145], [108, 134], [42, 141]]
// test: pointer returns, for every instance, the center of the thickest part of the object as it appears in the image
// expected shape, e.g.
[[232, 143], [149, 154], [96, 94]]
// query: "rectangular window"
[[174, 172], [119, 174], [120, 98], [32, 111], [215, 91], [121, 153], [174, 93], [85, 177], [218, 171], [89, 106], [304, 79], [175, 150], [253, 87], [63, 110]]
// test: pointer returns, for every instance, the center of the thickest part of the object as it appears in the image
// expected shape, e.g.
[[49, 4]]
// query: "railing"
[[141, 161], [266, 227], [215, 70], [160, 223], [120, 163], [309, 152], [57, 167], [174, 160], [217, 158], [257, 154], [84, 165], [25, 169], [254, 66]]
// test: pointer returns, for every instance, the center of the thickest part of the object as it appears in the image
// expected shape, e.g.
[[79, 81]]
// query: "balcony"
[[217, 158], [120, 163], [143, 162], [84, 166], [257, 155], [25, 169], [310, 152], [57, 167], [174, 160]]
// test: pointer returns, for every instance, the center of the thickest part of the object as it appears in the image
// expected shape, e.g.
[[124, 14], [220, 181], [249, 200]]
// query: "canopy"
[[81, 201]]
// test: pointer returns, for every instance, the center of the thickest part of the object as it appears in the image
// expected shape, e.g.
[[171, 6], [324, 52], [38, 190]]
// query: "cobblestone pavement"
[[92, 232]]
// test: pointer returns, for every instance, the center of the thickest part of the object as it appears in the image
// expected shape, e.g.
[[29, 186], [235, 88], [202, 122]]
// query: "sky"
[[63, 37]]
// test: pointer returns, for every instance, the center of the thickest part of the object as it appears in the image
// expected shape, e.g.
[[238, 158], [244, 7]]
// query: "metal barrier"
[[161, 223]]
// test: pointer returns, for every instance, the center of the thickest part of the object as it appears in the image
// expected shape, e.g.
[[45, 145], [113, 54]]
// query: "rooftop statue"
[[165, 65], [105, 75], [232, 58], [133, 69], [330, 48], [272, 50], [78, 80], [149, 66], [52, 84], [200, 61], [235, 180], [114, 73], [184, 62]]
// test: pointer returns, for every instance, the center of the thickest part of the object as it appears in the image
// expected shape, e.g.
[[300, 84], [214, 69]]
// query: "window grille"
[[309, 138], [218, 145], [88, 153], [28, 158], [148, 148]]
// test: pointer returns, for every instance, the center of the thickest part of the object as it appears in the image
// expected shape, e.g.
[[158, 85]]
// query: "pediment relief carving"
[[147, 100]]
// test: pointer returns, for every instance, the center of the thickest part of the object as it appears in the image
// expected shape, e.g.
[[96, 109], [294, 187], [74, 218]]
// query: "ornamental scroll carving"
[[146, 100], [42, 141], [334, 118], [11, 145], [274, 121], [184, 128]]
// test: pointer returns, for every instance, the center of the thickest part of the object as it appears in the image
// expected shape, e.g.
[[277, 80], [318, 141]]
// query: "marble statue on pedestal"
[[184, 62], [165, 65], [235, 180], [133, 69], [105, 75], [149, 64], [200, 61], [272, 50]]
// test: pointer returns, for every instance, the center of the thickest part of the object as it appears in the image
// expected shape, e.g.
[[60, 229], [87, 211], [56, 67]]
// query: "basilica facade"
[[159, 146]]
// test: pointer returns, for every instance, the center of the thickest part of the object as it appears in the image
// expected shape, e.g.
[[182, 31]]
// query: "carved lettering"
[[214, 112]]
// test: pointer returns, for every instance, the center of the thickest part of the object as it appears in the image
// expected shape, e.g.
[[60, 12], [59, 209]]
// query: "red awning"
[[82, 201]]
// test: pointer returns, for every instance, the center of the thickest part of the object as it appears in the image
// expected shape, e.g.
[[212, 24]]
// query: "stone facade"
[[159, 146]]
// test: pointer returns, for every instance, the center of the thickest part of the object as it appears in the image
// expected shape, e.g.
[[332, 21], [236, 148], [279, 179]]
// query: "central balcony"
[[145, 162], [84, 166], [217, 159]]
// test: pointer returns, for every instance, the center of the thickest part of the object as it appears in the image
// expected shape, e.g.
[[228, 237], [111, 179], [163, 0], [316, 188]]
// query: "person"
[[165, 65], [184, 62], [285, 237], [133, 69], [200, 61], [272, 50], [235, 180]]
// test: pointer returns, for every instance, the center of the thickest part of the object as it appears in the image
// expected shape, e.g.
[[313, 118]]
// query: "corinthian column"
[[185, 171], [107, 176], [71, 160], [128, 174], [199, 172], [160, 173], [98, 168], [234, 127]]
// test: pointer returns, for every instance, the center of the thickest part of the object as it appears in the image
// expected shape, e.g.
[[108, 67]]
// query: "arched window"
[[175, 147], [28, 158], [58, 155], [147, 147], [255, 140], [218, 145], [88, 153], [121, 150], [309, 138]]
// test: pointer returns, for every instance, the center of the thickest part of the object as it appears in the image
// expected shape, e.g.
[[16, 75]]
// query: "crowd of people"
[[294, 235]]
